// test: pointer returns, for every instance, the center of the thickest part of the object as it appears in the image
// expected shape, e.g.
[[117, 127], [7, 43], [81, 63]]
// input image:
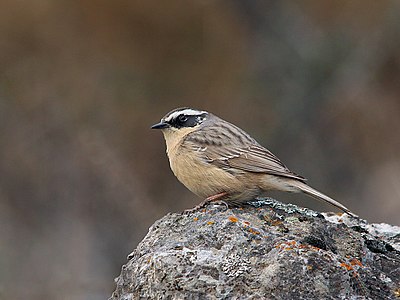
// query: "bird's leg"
[[213, 198]]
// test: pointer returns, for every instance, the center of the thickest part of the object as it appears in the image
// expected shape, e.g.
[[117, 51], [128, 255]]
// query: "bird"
[[218, 161]]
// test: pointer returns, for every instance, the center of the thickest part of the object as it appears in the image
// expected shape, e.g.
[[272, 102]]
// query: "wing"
[[224, 153], [254, 158]]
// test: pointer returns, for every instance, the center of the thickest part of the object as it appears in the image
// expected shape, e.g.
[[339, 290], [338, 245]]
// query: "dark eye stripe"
[[187, 120], [182, 118]]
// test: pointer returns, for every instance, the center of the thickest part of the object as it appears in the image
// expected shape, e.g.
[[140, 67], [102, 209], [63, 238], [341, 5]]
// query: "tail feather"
[[319, 196]]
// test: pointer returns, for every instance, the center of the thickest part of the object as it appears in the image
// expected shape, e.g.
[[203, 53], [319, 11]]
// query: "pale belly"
[[204, 179]]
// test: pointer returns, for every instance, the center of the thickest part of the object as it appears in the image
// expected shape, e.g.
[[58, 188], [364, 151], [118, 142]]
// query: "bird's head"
[[181, 121]]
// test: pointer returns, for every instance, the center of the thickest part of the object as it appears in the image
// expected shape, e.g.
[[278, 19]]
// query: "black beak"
[[160, 125]]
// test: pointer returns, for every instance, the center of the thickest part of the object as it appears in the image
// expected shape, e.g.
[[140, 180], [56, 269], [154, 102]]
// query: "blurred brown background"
[[82, 176]]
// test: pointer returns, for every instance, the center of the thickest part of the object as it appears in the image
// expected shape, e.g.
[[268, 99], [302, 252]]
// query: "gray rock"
[[266, 251]]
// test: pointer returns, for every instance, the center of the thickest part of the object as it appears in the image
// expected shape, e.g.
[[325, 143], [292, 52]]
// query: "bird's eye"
[[182, 118]]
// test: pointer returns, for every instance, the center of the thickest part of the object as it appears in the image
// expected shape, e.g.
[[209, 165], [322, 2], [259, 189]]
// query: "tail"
[[319, 196]]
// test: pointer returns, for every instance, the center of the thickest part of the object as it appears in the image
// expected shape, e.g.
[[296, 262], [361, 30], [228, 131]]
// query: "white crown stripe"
[[187, 112]]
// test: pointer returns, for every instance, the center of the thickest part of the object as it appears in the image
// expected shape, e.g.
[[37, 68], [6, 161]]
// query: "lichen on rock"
[[266, 251]]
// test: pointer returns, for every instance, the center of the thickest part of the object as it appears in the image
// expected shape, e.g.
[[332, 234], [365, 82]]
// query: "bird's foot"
[[208, 200]]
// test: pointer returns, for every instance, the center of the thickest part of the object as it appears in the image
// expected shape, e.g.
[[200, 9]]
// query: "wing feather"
[[224, 153]]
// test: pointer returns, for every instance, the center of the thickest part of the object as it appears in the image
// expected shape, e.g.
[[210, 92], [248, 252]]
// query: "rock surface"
[[266, 251]]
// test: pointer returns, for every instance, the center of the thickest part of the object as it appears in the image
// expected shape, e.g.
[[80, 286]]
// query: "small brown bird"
[[217, 160]]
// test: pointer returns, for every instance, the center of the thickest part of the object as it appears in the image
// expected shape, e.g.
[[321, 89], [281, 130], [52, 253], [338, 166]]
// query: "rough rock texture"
[[269, 251]]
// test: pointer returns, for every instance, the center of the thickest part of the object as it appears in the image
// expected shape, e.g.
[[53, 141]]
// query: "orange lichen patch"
[[267, 218], [356, 262], [305, 246], [276, 222], [251, 230], [396, 292], [233, 219], [195, 219], [346, 266], [315, 248], [210, 222], [290, 245]]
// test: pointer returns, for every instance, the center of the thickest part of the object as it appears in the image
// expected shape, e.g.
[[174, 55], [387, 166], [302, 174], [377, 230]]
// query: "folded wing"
[[225, 153]]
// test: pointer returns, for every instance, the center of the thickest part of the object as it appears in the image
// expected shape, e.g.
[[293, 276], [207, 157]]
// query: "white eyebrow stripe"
[[187, 111]]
